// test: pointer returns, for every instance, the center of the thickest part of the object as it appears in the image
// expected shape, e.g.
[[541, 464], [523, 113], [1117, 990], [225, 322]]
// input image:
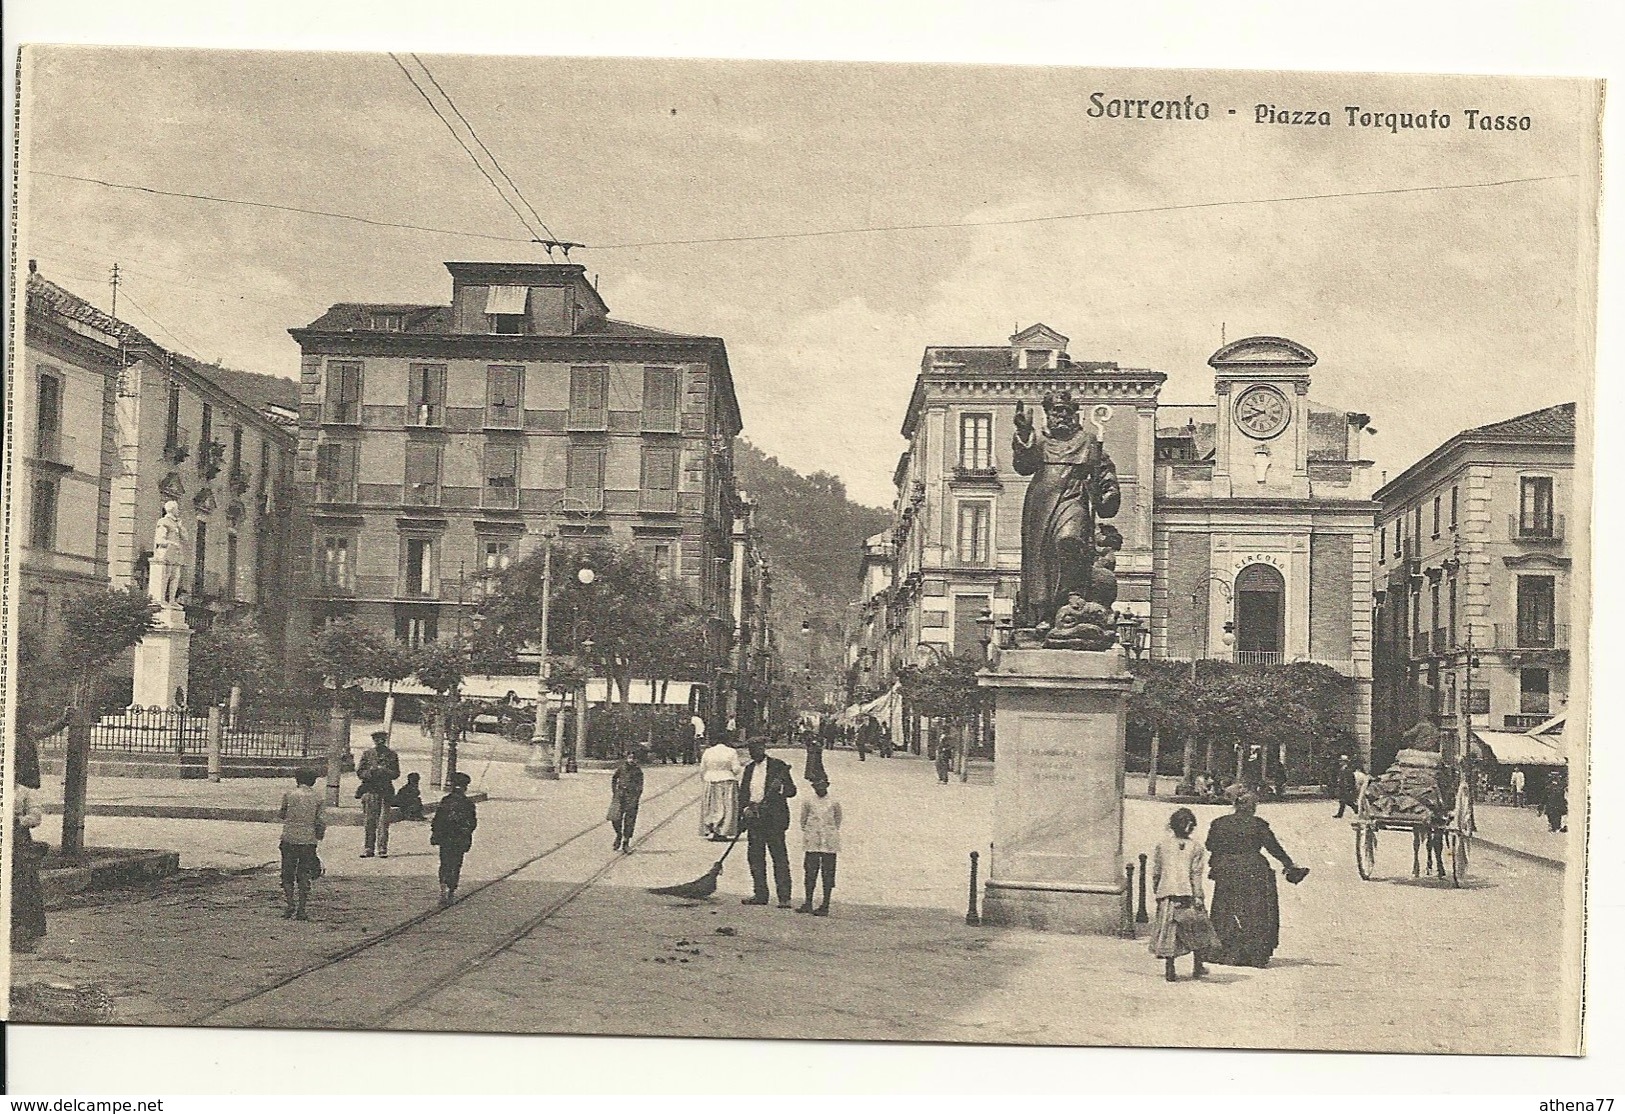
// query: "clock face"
[[1262, 411]]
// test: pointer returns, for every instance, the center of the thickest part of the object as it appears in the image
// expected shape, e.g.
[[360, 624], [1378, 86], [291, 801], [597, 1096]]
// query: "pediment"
[[1253, 352], [1039, 336], [1535, 561]]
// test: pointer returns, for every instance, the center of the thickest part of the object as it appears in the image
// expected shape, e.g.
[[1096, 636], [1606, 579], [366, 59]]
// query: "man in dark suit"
[[764, 796]]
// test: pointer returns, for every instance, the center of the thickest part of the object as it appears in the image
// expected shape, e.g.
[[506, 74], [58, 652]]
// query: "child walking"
[[303, 826], [625, 793], [452, 830], [1181, 926], [821, 840]]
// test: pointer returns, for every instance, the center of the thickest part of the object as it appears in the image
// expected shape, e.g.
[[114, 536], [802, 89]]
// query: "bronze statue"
[[1073, 488]]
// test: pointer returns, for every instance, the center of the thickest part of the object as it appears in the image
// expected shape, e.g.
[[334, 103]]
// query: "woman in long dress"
[[1246, 911], [719, 810]]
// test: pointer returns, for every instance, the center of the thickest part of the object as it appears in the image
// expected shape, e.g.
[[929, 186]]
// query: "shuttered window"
[[422, 474], [589, 398], [501, 477], [504, 393], [426, 394], [658, 485], [660, 399], [343, 392], [584, 474]]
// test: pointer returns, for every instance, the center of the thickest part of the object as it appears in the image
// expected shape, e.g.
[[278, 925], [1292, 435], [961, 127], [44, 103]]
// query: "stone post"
[[1057, 862], [75, 783], [437, 751], [338, 741], [213, 742]]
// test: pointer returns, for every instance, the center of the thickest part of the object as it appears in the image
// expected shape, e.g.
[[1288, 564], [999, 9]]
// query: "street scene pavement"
[[554, 933]]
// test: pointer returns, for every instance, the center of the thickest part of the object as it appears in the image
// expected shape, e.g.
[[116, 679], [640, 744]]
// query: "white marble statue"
[[169, 558]]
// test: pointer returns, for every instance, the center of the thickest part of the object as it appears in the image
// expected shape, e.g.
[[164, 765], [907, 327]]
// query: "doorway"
[[1260, 615]]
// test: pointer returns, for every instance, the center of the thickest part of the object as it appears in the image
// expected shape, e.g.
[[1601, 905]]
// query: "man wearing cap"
[[452, 830], [765, 792], [378, 769]]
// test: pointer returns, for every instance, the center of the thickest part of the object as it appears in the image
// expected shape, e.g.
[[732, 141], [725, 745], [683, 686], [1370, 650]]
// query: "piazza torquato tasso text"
[[1105, 106]]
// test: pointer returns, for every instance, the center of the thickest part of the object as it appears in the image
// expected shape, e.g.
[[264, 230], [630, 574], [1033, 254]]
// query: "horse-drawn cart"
[[1435, 807]]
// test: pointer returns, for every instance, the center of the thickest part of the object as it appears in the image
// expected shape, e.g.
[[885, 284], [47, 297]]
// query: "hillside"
[[814, 536]]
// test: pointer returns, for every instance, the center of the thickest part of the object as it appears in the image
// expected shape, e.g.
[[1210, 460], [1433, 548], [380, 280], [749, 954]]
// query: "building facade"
[[156, 427], [1473, 610], [1246, 521], [438, 442]]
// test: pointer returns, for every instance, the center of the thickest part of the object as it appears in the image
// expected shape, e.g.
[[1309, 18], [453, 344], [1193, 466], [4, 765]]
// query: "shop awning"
[[1511, 748]]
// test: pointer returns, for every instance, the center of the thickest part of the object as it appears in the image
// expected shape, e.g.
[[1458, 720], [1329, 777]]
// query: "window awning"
[[1510, 748], [505, 299]]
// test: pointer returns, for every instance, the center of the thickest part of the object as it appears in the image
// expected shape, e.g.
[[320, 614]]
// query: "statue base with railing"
[[1057, 861]]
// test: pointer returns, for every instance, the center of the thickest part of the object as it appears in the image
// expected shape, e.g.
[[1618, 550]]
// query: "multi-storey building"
[[115, 425], [747, 696], [437, 442], [1472, 558], [1246, 521]]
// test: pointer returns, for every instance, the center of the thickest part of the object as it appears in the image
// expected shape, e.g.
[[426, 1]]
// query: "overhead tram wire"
[[488, 152], [535, 234], [933, 226], [282, 208], [173, 335]]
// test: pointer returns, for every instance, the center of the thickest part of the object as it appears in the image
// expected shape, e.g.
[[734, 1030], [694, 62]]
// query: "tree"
[[72, 676], [344, 653], [230, 654], [441, 666], [394, 664], [639, 625]]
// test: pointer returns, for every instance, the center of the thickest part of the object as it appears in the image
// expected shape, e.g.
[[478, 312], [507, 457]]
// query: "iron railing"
[[262, 733]]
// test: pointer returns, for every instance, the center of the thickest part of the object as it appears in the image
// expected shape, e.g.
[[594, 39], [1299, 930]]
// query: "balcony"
[[658, 421], [657, 502], [1524, 722], [425, 415], [1535, 530], [502, 416], [1531, 636], [423, 494], [974, 473], [1440, 640], [49, 445], [585, 499], [335, 491], [587, 419], [341, 413], [1259, 657]]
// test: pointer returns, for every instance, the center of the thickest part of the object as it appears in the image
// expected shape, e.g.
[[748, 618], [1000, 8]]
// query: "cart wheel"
[[1458, 857], [1365, 851]]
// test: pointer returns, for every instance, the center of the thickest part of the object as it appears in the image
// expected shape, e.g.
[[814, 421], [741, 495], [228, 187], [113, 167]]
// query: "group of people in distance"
[[304, 823], [1243, 925]]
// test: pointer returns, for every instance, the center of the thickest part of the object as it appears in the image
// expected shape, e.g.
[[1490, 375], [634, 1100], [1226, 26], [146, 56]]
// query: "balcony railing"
[[1548, 529], [1531, 636], [502, 497], [587, 419], [502, 416], [341, 413], [1440, 640], [1259, 657], [335, 491], [1524, 722], [976, 473], [423, 494], [48, 444], [657, 502], [658, 421], [427, 415]]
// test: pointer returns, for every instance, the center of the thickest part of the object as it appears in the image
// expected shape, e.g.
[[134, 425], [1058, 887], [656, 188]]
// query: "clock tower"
[[1261, 434]]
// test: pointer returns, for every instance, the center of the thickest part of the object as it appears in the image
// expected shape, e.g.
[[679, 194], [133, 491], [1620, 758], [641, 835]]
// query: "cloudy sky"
[[1431, 309]]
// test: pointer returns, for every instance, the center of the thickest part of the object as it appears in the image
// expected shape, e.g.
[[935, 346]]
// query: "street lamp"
[[545, 763], [1200, 629]]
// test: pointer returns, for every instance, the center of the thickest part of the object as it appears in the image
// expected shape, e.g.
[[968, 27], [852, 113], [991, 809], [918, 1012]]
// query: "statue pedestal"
[[1057, 862], [162, 660]]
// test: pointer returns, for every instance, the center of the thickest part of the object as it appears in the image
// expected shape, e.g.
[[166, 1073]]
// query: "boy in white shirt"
[[821, 840], [304, 823]]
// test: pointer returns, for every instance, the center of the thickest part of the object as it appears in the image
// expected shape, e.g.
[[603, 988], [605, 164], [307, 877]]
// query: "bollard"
[[972, 917], [1140, 915], [1128, 900], [213, 743]]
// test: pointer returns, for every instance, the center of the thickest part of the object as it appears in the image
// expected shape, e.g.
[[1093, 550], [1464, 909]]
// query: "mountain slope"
[[814, 536]]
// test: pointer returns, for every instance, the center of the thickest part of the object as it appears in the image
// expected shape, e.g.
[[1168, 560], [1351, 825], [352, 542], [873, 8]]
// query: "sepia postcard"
[[785, 550]]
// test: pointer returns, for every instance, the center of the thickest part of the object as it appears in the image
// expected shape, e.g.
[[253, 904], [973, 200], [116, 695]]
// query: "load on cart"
[[1424, 795]]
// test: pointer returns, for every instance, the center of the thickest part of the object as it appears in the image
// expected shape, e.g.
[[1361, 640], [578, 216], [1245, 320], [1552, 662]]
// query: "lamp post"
[[546, 762], [1200, 628], [1131, 635]]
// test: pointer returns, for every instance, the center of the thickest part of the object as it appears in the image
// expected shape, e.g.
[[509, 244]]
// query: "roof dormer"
[[1038, 348], [523, 299]]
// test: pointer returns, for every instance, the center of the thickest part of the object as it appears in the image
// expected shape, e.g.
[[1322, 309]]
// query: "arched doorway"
[[1260, 615]]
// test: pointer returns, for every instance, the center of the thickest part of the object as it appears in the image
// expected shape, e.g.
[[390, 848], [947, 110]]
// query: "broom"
[[703, 886]]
